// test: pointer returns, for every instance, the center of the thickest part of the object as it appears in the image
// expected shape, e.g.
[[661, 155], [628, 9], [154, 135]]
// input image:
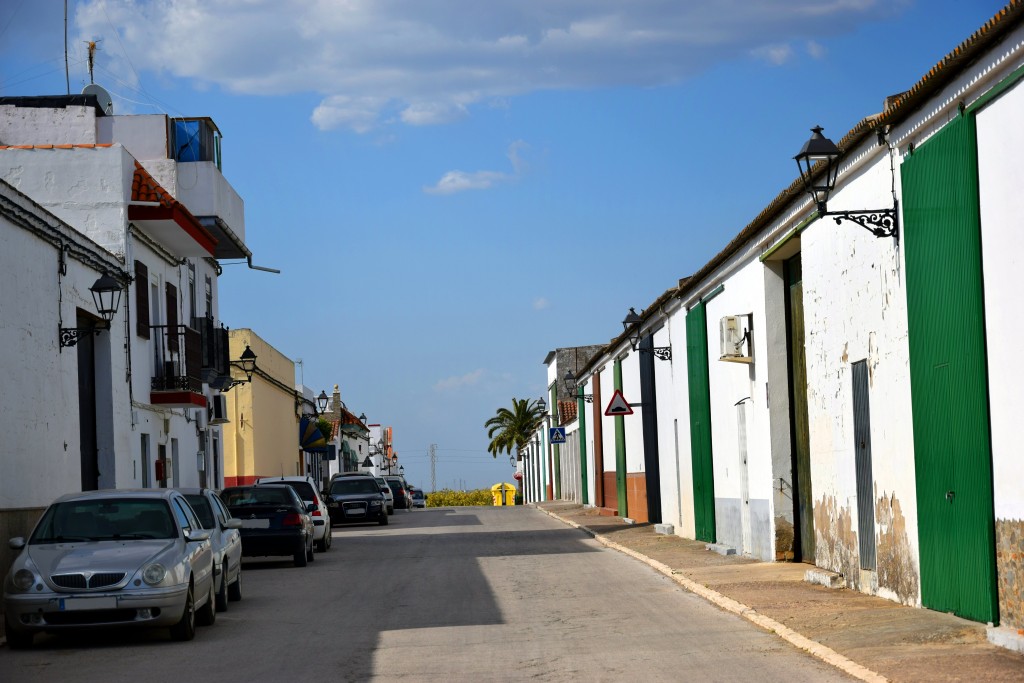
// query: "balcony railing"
[[177, 359]]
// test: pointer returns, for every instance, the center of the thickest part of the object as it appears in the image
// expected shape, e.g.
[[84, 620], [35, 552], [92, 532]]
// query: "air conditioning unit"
[[219, 409], [202, 418], [735, 339]]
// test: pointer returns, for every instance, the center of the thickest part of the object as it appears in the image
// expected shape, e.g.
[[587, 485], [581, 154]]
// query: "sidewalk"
[[871, 638]]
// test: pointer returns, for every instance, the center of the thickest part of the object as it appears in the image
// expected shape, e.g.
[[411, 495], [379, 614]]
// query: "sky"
[[453, 188]]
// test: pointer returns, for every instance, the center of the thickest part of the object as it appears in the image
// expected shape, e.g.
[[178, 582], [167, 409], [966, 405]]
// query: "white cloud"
[[453, 182], [427, 62], [816, 50], [774, 54], [451, 383], [540, 303]]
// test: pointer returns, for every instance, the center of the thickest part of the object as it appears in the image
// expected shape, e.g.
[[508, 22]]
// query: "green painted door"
[[803, 500], [700, 422], [948, 368]]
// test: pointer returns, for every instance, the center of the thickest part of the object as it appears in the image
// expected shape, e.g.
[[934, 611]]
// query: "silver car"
[[111, 558], [225, 540]]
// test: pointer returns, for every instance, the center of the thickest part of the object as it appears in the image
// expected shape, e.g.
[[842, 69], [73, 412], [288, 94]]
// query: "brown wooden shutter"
[[172, 317], [141, 300]]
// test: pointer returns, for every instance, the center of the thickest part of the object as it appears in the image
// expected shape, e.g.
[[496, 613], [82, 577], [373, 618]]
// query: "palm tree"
[[512, 429]]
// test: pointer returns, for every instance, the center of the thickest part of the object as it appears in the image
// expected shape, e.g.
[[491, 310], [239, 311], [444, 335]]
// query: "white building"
[[840, 395], [147, 190]]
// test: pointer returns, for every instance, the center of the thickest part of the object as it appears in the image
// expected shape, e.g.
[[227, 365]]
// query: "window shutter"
[[141, 300], [172, 316]]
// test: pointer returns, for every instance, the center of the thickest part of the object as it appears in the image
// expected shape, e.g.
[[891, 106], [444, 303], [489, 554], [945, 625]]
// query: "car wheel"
[[17, 640], [311, 550], [391, 509], [222, 589], [300, 556], [207, 614], [185, 629], [323, 544], [235, 589], [383, 521]]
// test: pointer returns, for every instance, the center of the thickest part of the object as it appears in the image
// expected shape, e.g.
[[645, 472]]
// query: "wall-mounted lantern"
[[819, 150]]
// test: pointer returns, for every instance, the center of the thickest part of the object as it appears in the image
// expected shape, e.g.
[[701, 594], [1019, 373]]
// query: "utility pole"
[[433, 466]]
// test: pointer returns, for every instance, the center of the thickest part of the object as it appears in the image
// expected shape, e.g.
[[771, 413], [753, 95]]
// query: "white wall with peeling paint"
[[1001, 178]]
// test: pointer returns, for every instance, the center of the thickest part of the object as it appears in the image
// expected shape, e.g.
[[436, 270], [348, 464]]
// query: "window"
[[191, 291]]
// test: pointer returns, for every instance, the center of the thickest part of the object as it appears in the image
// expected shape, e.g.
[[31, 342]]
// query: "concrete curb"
[[814, 648]]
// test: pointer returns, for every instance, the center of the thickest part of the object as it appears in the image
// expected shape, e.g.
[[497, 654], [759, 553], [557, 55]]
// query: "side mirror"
[[198, 535], [16, 543], [311, 507]]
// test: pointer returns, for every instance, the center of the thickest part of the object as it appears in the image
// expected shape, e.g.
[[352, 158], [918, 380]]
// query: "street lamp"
[[247, 364], [820, 157], [633, 320], [570, 387], [321, 401], [106, 295]]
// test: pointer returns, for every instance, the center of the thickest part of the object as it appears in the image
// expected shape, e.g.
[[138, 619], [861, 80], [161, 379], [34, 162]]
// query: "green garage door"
[[952, 450], [700, 422]]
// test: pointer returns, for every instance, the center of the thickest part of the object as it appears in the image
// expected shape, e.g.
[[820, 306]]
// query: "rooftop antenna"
[[93, 46], [67, 75]]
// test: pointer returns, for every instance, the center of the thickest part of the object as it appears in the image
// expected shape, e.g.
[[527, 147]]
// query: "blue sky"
[[453, 188]]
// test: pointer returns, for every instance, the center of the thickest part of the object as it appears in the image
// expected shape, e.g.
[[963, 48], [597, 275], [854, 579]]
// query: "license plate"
[[76, 604], [355, 510], [255, 523]]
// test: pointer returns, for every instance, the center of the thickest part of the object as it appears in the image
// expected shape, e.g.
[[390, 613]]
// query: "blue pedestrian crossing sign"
[[557, 435]]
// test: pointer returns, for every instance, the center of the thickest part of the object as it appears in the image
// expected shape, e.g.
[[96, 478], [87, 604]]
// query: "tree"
[[512, 429]]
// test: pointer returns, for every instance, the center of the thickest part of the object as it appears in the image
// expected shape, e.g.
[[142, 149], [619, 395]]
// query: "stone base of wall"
[[1010, 571]]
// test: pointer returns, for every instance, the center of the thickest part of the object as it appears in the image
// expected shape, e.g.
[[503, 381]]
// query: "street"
[[463, 594]]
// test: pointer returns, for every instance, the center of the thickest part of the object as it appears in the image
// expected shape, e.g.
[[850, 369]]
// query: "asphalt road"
[[463, 594]]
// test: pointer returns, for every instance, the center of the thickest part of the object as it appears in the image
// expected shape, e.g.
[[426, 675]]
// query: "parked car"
[[356, 499], [274, 519], [385, 489], [389, 497], [226, 541], [403, 501], [111, 558], [419, 500], [309, 493]]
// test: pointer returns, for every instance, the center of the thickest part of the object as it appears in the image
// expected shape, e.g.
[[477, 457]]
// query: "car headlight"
[[154, 573], [375, 503], [23, 579]]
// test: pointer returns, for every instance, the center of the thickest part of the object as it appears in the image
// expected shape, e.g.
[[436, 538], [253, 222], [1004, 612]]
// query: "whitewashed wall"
[[680, 463], [1001, 176], [668, 452], [739, 417], [39, 412]]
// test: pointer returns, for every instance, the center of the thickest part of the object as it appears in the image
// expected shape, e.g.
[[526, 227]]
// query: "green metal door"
[[803, 500], [949, 390], [700, 422]]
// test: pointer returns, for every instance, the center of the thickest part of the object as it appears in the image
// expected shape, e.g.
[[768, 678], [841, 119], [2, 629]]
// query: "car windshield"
[[396, 485], [203, 509], [354, 485], [105, 519], [257, 495], [417, 494], [304, 490]]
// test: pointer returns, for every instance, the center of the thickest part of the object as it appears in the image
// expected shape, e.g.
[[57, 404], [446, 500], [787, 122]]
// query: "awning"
[[310, 437]]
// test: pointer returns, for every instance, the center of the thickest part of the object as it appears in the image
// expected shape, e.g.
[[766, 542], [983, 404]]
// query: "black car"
[[356, 499], [403, 497], [274, 519]]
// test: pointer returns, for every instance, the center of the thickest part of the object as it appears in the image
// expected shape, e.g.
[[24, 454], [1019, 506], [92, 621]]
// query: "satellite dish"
[[102, 96]]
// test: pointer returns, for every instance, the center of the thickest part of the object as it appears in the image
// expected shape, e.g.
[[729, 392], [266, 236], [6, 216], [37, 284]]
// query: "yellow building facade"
[[261, 436]]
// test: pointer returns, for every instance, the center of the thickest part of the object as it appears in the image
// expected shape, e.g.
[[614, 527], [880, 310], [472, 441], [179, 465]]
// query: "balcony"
[[178, 364]]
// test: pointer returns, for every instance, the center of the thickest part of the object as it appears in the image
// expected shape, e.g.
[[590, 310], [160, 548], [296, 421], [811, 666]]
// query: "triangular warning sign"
[[618, 405]]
